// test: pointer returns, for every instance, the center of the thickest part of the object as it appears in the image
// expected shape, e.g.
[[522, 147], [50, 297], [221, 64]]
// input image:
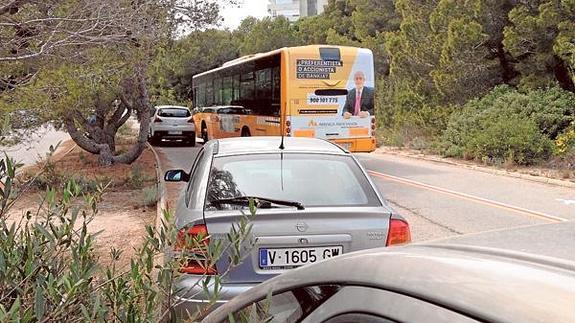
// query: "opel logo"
[[301, 227]]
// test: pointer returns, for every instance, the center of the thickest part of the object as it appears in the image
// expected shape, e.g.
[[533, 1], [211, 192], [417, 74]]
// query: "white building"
[[287, 8], [311, 7]]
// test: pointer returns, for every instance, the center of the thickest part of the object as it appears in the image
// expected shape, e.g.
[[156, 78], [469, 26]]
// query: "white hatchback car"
[[172, 122]]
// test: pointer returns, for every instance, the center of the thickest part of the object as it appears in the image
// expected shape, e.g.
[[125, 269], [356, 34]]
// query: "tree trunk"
[[142, 107], [106, 156], [99, 137], [80, 139]]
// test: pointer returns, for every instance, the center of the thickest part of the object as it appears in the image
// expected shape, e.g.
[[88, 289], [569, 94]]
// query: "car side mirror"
[[176, 175]]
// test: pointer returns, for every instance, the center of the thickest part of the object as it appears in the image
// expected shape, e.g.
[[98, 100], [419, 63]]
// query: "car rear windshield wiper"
[[259, 201]]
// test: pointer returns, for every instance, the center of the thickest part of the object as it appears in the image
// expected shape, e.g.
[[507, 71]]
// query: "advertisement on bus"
[[331, 94]]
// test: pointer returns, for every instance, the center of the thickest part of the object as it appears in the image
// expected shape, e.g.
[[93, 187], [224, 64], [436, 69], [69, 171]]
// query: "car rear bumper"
[[165, 128], [190, 296], [174, 135]]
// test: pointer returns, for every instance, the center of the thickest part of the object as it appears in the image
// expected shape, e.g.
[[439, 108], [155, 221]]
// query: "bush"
[[514, 140], [49, 271], [136, 178], [565, 142], [407, 117], [150, 196], [506, 125]]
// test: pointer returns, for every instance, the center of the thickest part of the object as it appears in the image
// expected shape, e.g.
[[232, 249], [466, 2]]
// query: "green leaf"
[[39, 303]]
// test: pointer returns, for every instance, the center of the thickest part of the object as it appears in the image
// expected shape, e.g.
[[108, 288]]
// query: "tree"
[[193, 54], [312, 29], [469, 35], [371, 18], [99, 77], [265, 35], [540, 38]]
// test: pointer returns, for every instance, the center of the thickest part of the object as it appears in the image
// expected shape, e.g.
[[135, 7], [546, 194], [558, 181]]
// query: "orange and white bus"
[[310, 91]]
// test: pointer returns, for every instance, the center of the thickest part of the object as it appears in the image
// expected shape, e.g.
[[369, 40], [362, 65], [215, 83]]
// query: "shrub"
[[149, 196], [406, 116], [565, 142], [513, 139], [136, 178], [50, 272], [508, 125]]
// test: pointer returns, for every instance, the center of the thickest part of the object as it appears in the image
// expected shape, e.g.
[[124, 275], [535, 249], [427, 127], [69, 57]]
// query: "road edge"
[[161, 204], [74, 145], [431, 158]]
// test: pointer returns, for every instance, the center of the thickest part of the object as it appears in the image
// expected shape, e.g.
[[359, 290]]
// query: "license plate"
[[295, 257], [174, 132]]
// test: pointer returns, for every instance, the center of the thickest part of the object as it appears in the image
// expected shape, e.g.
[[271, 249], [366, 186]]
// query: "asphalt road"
[[36, 145], [441, 200]]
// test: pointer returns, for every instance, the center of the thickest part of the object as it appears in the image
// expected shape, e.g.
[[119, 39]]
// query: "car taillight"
[[399, 232], [193, 244], [157, 119]]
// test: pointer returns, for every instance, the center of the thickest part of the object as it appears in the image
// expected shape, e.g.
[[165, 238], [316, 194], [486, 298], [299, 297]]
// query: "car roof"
[[269, 144], [508, 275]]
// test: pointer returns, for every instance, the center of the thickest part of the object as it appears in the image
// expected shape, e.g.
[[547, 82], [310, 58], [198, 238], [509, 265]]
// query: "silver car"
[[172, 122], [520, 275], [315, 201]]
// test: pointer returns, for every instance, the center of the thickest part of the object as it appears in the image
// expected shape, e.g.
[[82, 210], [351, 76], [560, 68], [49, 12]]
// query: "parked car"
[[520, 275], [172, 122], [315, 201]]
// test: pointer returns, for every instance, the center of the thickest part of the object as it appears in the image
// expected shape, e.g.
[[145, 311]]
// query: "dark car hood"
[[513, 275]]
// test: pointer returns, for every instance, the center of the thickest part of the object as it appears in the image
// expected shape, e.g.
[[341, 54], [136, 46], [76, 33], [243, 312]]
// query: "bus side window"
[[217, 91], [227, 90], [195, 97], [201, 95], [236, 95], [263, 91], [276, 91], [209, 93], [247, 89]]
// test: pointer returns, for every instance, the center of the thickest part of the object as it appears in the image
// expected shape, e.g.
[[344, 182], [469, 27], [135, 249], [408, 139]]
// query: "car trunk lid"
[[285, 238], [174, 117]]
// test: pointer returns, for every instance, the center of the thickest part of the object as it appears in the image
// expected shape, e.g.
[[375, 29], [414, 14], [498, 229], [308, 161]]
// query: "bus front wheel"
[[246, 132]]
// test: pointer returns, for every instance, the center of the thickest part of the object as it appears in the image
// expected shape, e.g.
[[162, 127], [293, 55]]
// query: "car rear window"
[[311, 179], [174, 113]]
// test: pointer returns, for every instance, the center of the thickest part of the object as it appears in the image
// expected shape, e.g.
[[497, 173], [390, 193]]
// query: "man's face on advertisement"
[[359, 79]]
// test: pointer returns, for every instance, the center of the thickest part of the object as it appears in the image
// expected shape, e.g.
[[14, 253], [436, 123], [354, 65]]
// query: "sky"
[[234, 15]]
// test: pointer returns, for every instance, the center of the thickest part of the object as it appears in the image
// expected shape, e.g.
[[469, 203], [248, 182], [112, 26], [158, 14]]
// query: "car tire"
[[204, 133], [153, 139], [191, 141]]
